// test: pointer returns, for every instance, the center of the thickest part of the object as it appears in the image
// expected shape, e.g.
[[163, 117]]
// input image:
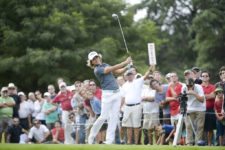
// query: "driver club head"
[[115, 16]]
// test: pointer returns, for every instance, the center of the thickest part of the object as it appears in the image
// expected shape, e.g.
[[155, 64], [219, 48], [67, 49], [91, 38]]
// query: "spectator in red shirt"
[[210, 99], [97, 93], [96, 90], [64, 98], [172, 93], [57, 134], [219, 110]]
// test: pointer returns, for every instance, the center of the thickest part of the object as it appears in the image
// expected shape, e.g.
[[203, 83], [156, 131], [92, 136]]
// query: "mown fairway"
[[101, 147]]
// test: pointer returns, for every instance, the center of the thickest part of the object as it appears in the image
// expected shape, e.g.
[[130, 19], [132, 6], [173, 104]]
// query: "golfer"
[[111, 97]]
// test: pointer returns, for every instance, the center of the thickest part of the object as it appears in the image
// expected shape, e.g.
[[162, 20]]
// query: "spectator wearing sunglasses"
[[208, 89]]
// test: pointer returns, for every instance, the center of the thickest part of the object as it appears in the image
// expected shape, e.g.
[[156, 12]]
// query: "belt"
[[132, 104], [111, 91]]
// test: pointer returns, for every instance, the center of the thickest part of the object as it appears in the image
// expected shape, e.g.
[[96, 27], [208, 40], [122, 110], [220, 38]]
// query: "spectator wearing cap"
[[221, 83], [208, 89], [12, 91], [39, 114], [196, 107], [220, 115], [25, 112], [50, 111], [197, 73], [174, 90], [110, 95], [131, 92], [64, 98], [6, 112]]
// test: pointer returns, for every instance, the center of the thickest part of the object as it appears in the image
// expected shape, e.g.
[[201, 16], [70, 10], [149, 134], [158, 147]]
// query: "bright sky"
[[141, 13]]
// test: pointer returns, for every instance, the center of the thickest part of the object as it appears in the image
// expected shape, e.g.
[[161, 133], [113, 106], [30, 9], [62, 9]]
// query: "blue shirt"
[[159, 97], [95, 105], [167, 128], [107, 81]]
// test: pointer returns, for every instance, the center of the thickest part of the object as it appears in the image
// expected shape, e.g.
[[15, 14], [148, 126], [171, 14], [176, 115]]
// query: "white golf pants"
[[110, 108]]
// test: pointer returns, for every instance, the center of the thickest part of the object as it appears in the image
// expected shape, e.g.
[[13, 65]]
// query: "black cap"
[[196, 69], [190, 81]]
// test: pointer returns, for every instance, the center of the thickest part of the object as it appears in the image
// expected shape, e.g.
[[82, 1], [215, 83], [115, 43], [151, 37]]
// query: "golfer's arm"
[[114, 68], [150, 71], [147, 74], [120, 71]]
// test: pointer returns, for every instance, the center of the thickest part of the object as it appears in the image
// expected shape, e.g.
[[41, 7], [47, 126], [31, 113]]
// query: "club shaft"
[[125, 43]]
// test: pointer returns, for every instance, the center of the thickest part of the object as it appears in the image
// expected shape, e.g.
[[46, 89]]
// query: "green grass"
[[102, 147]]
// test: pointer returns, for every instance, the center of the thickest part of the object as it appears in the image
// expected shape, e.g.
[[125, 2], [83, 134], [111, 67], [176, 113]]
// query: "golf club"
[[115, 16]]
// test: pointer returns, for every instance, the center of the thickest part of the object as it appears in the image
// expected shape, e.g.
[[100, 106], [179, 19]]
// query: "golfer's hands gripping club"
[[129, 62]]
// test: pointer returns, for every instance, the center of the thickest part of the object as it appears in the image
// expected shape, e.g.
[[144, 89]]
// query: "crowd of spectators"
[[149, 109]]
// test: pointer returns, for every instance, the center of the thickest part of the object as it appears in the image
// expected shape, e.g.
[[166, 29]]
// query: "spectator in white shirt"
[[31, 100], [131, 92], [39, 114], [38, 133], [25, 110], [196, 107]]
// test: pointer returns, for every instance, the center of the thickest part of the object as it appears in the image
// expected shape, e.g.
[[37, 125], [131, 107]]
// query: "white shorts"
[[132, 116], [174, 119], [151, 120]]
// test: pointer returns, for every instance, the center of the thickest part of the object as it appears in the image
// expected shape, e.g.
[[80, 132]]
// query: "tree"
[[209, 28], [194, 29], [46, 39]]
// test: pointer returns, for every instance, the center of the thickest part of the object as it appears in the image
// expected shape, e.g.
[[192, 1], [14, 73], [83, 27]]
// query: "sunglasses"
[[189, 86], [71, 117], [222, 73], [220, 92], [205, 76], [36, 123]]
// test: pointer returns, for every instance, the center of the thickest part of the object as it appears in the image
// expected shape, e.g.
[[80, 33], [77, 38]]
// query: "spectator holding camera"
[[196, 107]]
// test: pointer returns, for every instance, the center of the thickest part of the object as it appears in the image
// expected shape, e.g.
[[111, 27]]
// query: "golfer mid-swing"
[[111, 97]]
